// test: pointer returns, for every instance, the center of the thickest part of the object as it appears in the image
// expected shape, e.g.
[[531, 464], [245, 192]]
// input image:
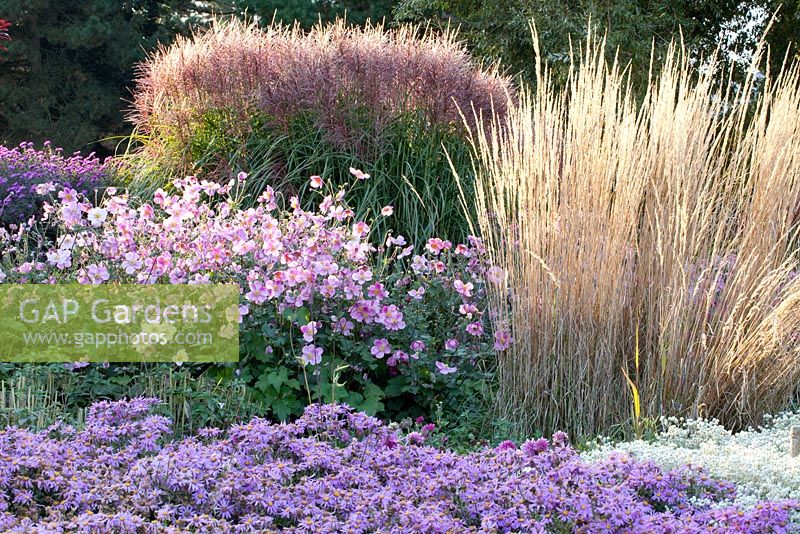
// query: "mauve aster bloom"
[[309, 330], [417, 346], [359, 174], [475, 329], [560, 439], [311, 355], [391, 318], [415, 438], [506, 445], [463, 288], [417, 294], [502, 340], [337, 470], [96, 216], [534, 447]]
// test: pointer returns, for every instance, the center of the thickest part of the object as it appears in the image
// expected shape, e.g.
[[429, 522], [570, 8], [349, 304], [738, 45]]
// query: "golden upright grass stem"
[[676, 217]]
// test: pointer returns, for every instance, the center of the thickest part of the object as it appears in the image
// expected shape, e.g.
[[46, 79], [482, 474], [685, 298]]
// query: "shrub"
[[324, 313], [273, 102], [650, 257], [337, 470], [25, 173]]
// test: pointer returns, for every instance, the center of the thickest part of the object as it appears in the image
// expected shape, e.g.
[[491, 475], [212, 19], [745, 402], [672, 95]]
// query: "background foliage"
[[71, 64], [36, 395], [409, 168], [307, 12], [499, 30]]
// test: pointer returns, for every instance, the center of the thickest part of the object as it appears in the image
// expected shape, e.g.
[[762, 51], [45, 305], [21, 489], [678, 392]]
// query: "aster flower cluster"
[[26, 173], [320, 303], [337, 470]]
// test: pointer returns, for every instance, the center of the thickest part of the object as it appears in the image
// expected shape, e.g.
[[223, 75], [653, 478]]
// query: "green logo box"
[[119, 323]]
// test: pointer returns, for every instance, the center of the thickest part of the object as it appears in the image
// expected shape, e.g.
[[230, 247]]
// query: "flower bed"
[[757, 460], [26, 173], [325, 313], [336, 470]]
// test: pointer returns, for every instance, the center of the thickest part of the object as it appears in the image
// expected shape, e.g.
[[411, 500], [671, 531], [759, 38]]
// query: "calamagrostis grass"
[[673, 223]]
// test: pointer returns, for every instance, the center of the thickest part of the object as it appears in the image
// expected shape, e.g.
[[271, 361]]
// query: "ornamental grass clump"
[[282, 104], [337, 470], [650, 251], [331, 72]]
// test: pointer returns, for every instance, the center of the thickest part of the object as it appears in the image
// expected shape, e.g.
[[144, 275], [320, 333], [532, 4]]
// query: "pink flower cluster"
[[321, 263]]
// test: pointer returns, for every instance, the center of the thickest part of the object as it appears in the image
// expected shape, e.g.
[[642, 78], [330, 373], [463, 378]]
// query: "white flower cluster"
[[756, 460]]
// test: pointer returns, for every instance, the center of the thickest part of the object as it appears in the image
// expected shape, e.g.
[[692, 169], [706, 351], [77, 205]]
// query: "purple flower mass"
[[25, 171], [336, 470]]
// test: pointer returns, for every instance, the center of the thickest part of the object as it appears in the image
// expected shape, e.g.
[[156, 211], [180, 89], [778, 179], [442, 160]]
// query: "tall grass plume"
[[664, 232], [333, 71]]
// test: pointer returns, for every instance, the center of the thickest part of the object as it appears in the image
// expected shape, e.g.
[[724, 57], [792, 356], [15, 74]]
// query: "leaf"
[[372, 399], [637, 407], [395, 386], [354, 399], [269, 330], [123, 380], [292, 383], [283, 408], [263, 385], [301, 315], [278, 377]]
